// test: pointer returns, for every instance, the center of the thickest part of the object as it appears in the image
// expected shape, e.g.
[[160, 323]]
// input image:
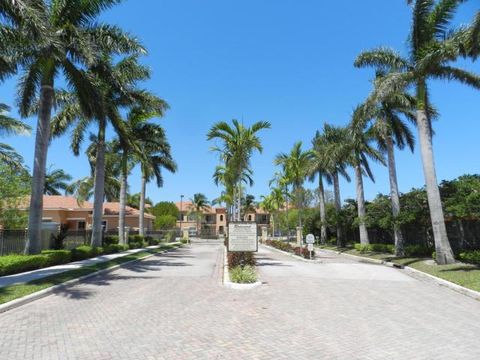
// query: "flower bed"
[[297, 250]]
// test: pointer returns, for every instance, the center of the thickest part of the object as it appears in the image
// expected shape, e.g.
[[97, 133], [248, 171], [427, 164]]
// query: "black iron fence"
[[13, 241]]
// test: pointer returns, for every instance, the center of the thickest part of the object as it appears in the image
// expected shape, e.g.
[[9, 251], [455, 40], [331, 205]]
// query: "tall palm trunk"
[[99, 193], [442, 245], [123, 198], [338, 208], [286, 212], [364, 239], [34, 242], [321, 195], [143, 190], [395, 198]]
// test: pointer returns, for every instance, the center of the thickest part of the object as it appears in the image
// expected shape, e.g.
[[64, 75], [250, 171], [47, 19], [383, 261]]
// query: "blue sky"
[[285, 61]]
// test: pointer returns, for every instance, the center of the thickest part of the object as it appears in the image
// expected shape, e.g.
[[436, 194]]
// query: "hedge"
[[58, 257], [379, 248], [85, 252]]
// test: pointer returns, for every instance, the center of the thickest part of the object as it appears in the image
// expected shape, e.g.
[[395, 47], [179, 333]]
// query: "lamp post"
[[181, 214]]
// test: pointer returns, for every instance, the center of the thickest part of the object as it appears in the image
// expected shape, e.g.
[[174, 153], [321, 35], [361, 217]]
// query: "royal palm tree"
[[116, 88], [433, 47], [334, 141], [10, 126], [296, 166], [280, 182], [56, 180], [360, 144], [391, 130], [56, 41], [200, 204], [318, 168], [238, 143]]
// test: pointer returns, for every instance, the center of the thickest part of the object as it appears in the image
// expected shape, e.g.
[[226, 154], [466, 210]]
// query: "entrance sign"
[[242, 237], [310, 239]]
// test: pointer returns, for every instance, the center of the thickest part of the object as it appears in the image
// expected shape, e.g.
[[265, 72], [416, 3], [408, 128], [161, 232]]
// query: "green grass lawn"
[[13, 292], [462, 274]]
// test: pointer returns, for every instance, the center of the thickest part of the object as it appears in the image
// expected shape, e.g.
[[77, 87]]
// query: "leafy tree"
[[56, 180], [15, 188], [165, 222], [165, 208], [433, 47], [133, 200]]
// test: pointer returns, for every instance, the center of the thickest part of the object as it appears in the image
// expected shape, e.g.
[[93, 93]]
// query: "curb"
[[51, 290], [410, 271], [313, 261], [226, 277]]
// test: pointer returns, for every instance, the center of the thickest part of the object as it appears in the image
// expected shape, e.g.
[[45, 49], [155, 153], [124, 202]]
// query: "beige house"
[[213, 220], [78, 216]]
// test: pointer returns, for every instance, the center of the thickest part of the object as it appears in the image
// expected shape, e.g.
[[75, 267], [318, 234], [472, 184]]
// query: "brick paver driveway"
[[172, 306]]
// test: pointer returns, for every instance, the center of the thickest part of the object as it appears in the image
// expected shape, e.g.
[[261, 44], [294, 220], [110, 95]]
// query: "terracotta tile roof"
[[187, 206], [113, 208], [65, 202]]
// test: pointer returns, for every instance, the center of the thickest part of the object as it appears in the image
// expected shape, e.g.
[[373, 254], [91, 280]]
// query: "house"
[[213, 220], [258, 215], [67, 210]]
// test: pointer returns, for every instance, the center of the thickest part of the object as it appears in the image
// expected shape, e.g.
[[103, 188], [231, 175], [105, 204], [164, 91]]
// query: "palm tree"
[[390, 131], [47, 39], [433, 46], [296, 165], [116, 84], [318, 168], [155, 151], [199, 205], [56, 180], [360, 140], [334, 142], [280, 182], [238, 143], [10, 126], [83, 189]]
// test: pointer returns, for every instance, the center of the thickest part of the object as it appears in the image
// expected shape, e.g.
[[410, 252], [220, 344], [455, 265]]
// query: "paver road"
[[172, 306]]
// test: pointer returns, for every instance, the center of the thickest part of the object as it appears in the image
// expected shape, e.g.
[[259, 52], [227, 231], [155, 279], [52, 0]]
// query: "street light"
[[181, 214]]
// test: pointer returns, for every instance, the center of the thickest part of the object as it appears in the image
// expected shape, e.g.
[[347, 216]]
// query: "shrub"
[[417, 251], [85, 252], [114, 248], [59, 238], [135, 245], [240, 258], [184, 241], [280, 245], [472, 257], [136, 239], [170, 236], [303, 251], [245, 275], [379, 248], [57, 257], [14, 264], [111, 239], [150, 240]]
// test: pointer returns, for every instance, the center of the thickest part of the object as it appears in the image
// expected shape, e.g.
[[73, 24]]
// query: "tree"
[[433, 46], [238, 143], [133, 200], [318, 167], [56, 41], [199, 205], [390, 131], [116, 88], [360, 139], [334, 142], [15, 188], [56, 180], [295, 165], [10, 126]]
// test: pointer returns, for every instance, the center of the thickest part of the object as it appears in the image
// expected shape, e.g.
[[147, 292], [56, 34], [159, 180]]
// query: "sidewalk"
[[26, 277]]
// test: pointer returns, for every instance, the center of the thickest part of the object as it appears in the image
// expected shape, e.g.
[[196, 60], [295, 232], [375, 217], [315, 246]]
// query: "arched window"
[[249, 217], [221, 217]]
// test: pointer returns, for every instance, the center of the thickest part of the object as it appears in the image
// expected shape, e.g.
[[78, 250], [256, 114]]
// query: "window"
[[104, 225], [221, 219], [81, 225], [249, 217]]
